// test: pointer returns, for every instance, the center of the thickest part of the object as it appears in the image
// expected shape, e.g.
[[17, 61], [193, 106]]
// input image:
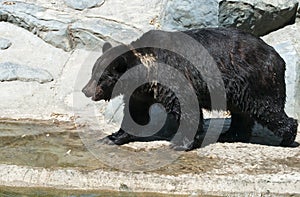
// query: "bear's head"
[[107, 70]]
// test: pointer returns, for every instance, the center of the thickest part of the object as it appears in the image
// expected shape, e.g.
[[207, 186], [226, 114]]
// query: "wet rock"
[[51, 27], [287, 42], [4, 44], [190, 14], [257, 17], [83, 4], [15, 72]]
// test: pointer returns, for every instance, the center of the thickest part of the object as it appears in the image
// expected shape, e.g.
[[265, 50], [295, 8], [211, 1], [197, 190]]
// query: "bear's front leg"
[[120, 137], [116, 134], [165, 133]]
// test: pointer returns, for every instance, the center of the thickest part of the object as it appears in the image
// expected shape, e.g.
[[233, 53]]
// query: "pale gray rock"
[[141, 14], [91, 33], [190, 14], [67, 30], [53, 29], [83, 4], [4, 43], [257, 17], [15, 72], [292, 74], [286, 42]]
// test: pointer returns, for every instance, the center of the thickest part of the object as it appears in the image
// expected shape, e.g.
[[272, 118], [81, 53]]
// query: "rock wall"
[[85, 24]]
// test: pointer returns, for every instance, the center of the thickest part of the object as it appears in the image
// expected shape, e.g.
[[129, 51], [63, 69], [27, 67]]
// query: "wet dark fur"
[[252, 71]]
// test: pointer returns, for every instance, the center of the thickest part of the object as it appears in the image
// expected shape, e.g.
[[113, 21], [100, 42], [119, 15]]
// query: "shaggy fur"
[[252, 72]]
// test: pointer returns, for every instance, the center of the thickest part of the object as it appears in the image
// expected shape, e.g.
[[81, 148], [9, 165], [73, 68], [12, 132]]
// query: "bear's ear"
[[106, 46]]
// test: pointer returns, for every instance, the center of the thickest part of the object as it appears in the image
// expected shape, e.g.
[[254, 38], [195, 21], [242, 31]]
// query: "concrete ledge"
[[72, 179]]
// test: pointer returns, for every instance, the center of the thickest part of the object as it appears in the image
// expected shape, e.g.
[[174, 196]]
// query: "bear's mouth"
[[98, 98], [100, 94], [94, 98]]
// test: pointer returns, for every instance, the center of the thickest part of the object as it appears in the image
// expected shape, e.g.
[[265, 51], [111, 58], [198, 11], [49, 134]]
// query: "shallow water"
[[61, 144], [44, 144], [53, 145], [48, 145]]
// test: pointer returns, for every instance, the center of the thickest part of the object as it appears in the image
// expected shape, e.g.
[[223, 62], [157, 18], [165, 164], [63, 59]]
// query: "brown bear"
[[252, 73]]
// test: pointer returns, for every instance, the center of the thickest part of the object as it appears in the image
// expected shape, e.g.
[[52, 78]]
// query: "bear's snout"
[[90, 88]]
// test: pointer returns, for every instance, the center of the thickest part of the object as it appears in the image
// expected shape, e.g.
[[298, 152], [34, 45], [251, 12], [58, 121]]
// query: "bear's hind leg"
[[240, 128], [281, 125]]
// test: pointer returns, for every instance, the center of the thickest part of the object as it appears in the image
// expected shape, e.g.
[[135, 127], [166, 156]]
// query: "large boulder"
[[257, 17], [287, 42], [48, 25], [180, 15]]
